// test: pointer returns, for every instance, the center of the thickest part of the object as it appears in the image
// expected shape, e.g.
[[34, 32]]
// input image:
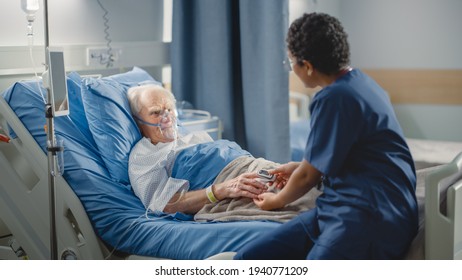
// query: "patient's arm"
[[244, 185], [187, 202]]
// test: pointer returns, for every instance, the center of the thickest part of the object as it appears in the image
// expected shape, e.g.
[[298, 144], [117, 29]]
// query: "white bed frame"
[[24, 207], [443, 231]]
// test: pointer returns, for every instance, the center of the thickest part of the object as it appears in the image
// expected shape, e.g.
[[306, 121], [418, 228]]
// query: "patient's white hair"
[[135, 94]]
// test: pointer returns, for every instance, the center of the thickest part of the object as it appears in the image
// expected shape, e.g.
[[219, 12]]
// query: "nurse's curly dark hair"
[[320, 39]]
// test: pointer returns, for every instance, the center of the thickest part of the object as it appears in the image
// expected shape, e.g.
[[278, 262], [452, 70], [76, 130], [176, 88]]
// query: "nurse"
[[355, 152]]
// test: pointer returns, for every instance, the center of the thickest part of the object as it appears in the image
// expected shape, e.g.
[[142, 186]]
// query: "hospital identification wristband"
[[210, 195]]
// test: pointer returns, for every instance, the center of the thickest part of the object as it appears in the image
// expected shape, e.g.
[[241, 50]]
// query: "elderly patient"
[[192, 173]]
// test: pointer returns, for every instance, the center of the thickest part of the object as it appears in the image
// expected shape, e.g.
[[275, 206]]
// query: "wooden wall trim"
[[415, 86], [411, 86]]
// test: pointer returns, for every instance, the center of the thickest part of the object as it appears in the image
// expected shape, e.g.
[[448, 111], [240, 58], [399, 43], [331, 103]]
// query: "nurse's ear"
[[309, 67]]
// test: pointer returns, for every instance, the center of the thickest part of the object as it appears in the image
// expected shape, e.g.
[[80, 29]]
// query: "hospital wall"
[[412, 48], [78, 25]]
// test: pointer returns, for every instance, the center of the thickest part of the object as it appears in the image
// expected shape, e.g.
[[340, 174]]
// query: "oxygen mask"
[[167, 123]]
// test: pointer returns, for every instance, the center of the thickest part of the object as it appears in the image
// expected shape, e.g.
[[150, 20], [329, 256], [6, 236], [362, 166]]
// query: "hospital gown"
[[368, 208], [191, 162]]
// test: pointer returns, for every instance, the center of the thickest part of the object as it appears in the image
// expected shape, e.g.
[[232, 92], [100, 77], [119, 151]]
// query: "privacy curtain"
[[228, 58]]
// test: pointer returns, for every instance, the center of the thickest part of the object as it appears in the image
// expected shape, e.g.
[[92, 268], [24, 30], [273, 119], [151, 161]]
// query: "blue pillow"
[[110, 120], [76, 109], [30, 103], [135, 77]]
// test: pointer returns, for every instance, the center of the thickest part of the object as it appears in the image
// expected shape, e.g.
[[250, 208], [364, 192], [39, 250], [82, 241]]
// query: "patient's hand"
[[244, 185]]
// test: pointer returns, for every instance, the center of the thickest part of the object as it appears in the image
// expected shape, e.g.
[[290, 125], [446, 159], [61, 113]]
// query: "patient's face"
[[157, 108]]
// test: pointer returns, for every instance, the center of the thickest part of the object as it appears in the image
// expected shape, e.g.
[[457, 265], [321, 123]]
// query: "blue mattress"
[[98, 135]]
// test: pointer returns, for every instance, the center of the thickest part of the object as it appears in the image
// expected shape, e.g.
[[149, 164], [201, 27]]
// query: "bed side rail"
[[456, 192], [24, 206], [443, 231]]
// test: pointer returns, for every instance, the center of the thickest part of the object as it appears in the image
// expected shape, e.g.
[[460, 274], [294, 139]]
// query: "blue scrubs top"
[[368, 208]]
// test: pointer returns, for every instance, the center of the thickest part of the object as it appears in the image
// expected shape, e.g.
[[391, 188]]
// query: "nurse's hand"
[[268, 201], [283, 173], [244, 185]]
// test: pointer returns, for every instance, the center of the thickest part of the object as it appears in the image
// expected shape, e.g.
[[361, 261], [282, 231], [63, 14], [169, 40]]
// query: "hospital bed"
[[97, 214]]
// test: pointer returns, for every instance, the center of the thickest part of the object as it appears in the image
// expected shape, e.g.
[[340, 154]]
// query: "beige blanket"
[[244, 209]]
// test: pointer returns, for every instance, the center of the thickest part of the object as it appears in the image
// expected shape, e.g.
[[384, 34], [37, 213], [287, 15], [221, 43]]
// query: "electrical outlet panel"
[[102, 56]]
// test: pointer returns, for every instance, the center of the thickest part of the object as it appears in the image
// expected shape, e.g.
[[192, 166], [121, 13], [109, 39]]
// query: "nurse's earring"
[[309, 72]]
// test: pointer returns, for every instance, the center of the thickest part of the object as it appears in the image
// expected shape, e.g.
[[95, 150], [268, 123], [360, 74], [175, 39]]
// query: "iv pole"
[[51, 148]]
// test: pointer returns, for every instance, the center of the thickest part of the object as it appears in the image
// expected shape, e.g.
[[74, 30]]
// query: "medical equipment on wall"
[[106, 58]]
